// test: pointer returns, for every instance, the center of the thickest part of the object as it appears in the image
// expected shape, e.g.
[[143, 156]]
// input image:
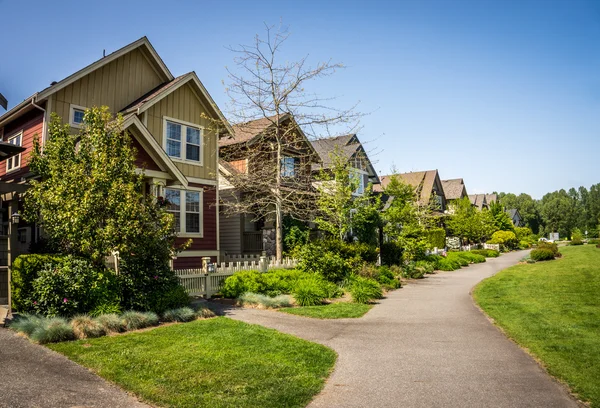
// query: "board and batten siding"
[[185, 105], [115, 85]]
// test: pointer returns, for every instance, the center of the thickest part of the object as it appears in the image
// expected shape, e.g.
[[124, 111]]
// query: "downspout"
[[44, 123]]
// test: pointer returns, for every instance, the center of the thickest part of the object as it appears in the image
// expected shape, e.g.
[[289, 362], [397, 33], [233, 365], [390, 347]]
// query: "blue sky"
[[505, 94]]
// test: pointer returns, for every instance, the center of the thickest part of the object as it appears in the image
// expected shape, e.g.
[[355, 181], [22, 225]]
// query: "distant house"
[[454, 189], [515, 217], [491, 198], [427, 184], [350, 148], [479, 201], [241, 153]]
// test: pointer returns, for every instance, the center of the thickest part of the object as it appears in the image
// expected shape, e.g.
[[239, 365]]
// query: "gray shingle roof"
[[454, 188]]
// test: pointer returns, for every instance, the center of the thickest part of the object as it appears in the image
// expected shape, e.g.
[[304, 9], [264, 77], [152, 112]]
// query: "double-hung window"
[[288, 166], [13, 163], [183, 141], [186, 207]]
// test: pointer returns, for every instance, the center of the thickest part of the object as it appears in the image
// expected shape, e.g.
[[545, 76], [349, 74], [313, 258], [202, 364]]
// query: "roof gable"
[[454, 189], [421, 181], [348, 146]]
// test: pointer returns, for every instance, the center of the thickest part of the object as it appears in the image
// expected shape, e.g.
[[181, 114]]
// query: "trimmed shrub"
[[391, 253], [241, 282], [139, 320], [266, 301], [470, 257], [488, 253], [272, 283], [458, 258], [427, 266], [25, 270], [309, 292], [111, 322], [85, 327], [182, 314], [507, 240], [53, 330], [436, 237], [542, 254], [551, 246], [593, 242], [330, 265], [175, 297], [446, 264], [71, 287], [364, 290]]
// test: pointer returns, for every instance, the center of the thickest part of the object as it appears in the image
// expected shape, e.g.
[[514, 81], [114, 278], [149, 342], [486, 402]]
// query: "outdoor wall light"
[[15, 218]]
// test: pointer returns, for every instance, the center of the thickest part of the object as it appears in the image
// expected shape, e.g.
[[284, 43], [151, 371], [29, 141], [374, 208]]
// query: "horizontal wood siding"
[[190, 262], [31, 124], [230, 227], [184, 104], [115, 85], [209, 241]]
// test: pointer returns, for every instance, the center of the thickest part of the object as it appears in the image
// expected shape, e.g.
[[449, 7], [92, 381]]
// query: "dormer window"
[[76, 116], [183, 141]]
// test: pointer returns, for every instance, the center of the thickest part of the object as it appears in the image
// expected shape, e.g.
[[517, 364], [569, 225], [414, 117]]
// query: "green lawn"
[[209, 363], [340, 310], [553, 309]]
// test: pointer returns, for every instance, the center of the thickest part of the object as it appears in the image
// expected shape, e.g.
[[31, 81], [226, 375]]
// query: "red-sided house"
[[174, 123]]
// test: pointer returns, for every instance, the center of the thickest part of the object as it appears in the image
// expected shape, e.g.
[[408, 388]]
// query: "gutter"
[[44, 121]]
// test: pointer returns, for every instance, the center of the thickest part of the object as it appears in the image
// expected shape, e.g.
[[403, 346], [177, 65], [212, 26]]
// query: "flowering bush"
[[72, 286]]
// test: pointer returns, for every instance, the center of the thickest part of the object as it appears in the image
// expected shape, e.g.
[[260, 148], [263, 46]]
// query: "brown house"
[[454, 189], [350, 149], [172, 124], [427, 184], [249, 154], [479, 201]]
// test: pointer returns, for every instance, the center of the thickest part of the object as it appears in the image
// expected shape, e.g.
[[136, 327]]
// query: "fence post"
[[209, 289], [263, 265]]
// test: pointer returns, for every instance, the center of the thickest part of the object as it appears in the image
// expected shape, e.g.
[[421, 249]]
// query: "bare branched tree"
[[268, 160]]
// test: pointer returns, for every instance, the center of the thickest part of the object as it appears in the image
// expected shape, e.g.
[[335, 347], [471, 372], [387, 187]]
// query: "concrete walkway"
[[425, 345], [32, 376]]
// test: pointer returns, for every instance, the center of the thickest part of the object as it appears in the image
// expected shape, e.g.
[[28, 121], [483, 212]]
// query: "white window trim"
[[361, 173], [184, 125], [182, 212], [11, 159], [72, 109]]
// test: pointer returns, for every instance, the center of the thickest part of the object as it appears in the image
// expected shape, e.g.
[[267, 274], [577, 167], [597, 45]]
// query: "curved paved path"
[[425, 345], [32, 376]]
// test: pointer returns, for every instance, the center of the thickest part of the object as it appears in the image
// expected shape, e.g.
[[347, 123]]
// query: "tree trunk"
[[278, 233]]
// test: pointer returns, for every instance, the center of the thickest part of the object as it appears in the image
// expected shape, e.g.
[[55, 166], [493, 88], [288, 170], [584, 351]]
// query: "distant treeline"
[[560, 211]]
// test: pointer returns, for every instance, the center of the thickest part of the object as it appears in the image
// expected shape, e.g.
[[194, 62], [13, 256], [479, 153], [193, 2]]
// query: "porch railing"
[[253, 241]]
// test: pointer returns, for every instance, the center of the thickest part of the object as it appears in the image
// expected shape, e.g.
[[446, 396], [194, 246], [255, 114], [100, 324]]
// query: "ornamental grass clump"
[[85, 327], [53, 330], [182, 314], [26, 323], [364, 290], [111, 322], [309, 292], [256, 299], [204, 313], [139, 320]]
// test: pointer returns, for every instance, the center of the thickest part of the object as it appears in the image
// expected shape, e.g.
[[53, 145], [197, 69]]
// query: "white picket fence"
[[208, 280]]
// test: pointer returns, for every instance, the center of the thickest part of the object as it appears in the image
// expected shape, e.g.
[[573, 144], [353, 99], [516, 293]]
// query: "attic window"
[[76, 115]]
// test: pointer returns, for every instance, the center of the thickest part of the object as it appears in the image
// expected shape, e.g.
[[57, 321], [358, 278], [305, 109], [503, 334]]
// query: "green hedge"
[[436, 237], [25, 270]]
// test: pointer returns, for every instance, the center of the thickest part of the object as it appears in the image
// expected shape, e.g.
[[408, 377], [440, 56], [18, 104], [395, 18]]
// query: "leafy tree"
[[469, 223], [501, 218], [89, 201], [340, 211], [405, 222], [557, 211]]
